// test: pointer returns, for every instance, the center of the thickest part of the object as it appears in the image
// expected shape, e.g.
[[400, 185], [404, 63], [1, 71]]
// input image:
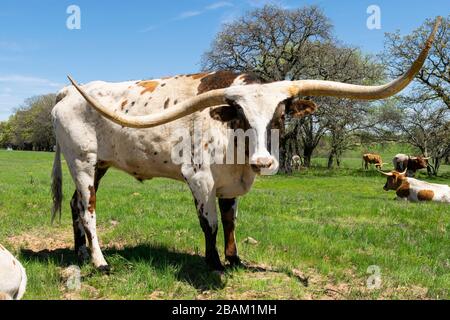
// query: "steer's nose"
[[264, 162]]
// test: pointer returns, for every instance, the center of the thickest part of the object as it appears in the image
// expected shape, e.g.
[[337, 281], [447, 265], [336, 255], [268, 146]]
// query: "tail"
[[57, 184]]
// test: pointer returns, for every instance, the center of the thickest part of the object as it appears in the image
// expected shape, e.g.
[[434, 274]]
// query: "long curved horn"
[[200, 102], [389, 174], [343, 90]]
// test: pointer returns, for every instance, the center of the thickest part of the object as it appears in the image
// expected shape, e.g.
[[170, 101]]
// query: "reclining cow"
[[415, 190], [13, 279], [114, 126]]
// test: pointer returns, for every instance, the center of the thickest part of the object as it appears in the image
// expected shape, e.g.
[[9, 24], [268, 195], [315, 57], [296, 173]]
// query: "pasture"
[[317, 233]]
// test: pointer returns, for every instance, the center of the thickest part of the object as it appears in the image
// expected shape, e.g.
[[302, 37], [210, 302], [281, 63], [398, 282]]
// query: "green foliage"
[[30, 128]]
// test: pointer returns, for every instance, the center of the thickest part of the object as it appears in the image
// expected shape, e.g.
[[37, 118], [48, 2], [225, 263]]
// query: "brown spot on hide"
[[92, 199], [166, 103], [196, 76], [123, 104], [403, 191], [425, 195], [250, 78], [149, 86], [216, 80]]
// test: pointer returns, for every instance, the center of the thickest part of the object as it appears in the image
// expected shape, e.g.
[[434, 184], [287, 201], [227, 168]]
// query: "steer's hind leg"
[[228, 210], [85, 179], [78, 228]]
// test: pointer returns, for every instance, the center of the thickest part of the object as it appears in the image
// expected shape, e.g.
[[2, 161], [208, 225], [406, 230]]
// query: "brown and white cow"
[[13, 278], [372, 158], [403, 162], [415, 190], [133, 126]]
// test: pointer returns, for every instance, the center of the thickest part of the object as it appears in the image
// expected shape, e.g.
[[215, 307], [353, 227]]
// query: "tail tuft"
[[57, 184]]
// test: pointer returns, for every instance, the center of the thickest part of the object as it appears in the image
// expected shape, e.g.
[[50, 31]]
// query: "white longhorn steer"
[[114, 125], [13, 279]]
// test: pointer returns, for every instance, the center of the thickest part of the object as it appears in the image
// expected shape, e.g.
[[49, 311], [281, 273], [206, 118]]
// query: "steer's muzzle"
[[386, 188], [265, 165]]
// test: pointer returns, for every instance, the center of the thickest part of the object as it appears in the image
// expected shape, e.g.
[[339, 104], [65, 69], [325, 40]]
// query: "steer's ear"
[[224, 113], [298, 108]]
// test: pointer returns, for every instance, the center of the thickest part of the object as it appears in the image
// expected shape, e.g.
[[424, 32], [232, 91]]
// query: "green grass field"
[[317, 231]]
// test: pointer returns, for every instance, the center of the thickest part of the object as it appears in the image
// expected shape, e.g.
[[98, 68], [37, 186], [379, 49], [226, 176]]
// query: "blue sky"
[[123, 40]]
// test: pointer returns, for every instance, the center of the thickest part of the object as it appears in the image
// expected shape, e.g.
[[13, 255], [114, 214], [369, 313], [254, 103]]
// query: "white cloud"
[[10, 46], [27, 80], [218, 5], [189, 14], [16, 88], [193, 13]]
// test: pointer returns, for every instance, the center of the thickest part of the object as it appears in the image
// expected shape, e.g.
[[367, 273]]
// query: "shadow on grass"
[[189, 268]]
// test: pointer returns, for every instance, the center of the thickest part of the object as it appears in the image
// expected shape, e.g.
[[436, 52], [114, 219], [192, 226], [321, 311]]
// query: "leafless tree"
[[270, 41], [433, 81], [425, 126]]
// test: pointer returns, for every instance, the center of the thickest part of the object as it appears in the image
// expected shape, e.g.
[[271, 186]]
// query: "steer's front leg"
[[228, 210], [201, 184]]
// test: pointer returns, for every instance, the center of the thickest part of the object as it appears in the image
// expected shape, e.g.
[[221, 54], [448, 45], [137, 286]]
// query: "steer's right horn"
[[200, 102], [389, 174]]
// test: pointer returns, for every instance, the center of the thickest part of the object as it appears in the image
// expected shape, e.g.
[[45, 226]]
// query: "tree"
[[30, 128], [270, 42], [433, 80], [424, 126], [339, 118]]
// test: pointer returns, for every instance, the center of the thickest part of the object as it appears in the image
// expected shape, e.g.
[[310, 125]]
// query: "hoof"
[[106, 269], [83, 256], [235, 261], [215, 265]]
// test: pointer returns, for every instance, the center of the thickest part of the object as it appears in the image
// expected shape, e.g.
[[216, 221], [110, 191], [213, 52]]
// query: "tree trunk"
[[330, 160], [307, 155]]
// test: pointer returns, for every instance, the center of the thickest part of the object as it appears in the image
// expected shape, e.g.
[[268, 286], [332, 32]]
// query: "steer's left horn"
[[343, 90], [200, 102]]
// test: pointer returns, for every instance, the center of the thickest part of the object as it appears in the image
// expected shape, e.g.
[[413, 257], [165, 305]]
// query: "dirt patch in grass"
[[40, 240]]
